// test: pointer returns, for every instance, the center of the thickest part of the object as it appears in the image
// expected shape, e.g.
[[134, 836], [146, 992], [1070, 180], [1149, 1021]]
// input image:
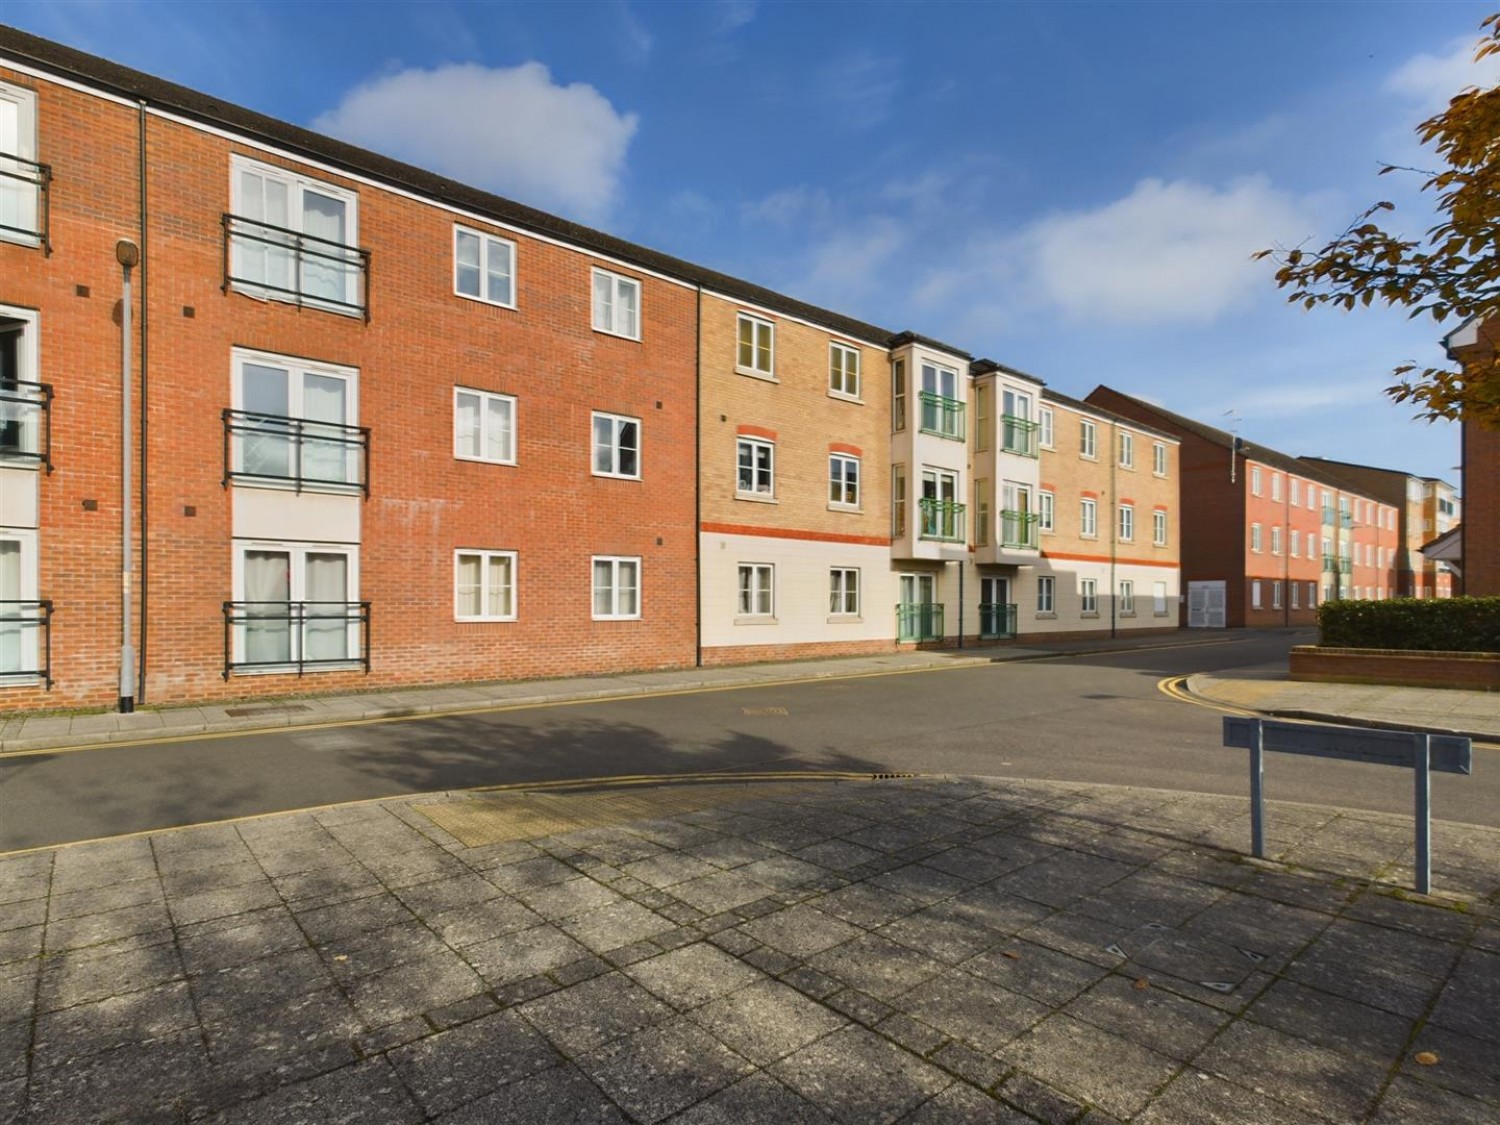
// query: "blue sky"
[[1073, 189]]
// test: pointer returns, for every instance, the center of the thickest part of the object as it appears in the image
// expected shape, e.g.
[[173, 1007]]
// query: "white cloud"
[[861, 87], [851, 264], [638, 42], [802, 204], [733, 15], [1433, 79], [508, 129], [1168, 251]]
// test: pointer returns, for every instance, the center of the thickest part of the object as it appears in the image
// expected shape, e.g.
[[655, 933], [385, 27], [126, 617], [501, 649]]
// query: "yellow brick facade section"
[[797, 406]]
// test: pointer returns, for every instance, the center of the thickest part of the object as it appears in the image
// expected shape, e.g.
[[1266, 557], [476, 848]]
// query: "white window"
[[1159, 599], [982, 421], [1127, 451], [1295, 546], [21, 614], [617, 588], [843, 480], [484, 585], [617, 305], [1088, 519], [1088, 595], [942, 409], [1127, 596], [982, 512], [843, 371], [898, 501], [294, 422], [484, 426], [1046, 510], [1044, 426], [1255, 480], [1255, 594], [1127, 522], [1275, 539], [1255, 537], [1088, 439], [756, 586], [617, 446], [1294, 491], [1046, 588], [1296, 592], [898, 394], [843, 592], [294, 238], [1312, 595], [24, 400], [1159, 528], [756, 468], [295, 604], [1276, 594], [20, 179], [484, 267], [757, 346], [1275, 486], [1159, 458]]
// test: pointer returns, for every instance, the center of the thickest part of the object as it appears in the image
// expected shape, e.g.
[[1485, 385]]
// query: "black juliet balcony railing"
[[309, 456], [26, 641], [295, 636], [281, 264], [25, 201], [25, 422]]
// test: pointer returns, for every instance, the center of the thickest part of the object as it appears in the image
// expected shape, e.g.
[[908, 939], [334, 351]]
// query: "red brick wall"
[[1481, 512], [420, 341]]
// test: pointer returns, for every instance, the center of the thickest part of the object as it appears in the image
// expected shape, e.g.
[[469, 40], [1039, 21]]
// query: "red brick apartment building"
[[1266, 538], [387, 428], [1480, 553]]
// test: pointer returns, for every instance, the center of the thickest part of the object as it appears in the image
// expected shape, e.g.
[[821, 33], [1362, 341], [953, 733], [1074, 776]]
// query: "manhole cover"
[[1204, 961], [764, 710]]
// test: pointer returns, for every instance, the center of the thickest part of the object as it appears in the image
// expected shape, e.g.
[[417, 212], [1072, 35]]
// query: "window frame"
[[1088, 597], [1125, 523], [754, 444], [1046, 595], [1158, 528], [485, 399], [616, 564], [297, 552], [843, 585], [616, 447], [1255, 482], [485, 557], [1088, 440], [1127, 597], [1159, 458], [846, 484], [1127, 450], [755, 591], [1045, 433], [486, 241], [1088, 518], [755, 324], [28, 129], [1255, 538], [27, 542], [849, 353], [296, 369], [1046, 510], [617, 283]]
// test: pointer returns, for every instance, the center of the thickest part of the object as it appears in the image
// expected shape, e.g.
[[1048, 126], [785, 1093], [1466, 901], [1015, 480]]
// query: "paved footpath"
[[920, 950]]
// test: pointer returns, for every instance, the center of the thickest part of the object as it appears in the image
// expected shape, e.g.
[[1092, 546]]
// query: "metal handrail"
[[942, 416], [239, 230], [942, 519], [17, 398], [1018, 435], [299, 434], [1017, 529], [39, 176], [997, 619], [299, 614], [30, 614]]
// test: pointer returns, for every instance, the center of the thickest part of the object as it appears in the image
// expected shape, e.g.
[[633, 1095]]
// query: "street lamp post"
[[128, 254]]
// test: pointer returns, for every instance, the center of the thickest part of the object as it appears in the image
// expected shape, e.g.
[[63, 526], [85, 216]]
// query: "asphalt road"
[[1086, 718]]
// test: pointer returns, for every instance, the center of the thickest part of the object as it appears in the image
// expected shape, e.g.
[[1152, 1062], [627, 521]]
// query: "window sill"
[[1127, 613], [1045, 615], [483, 460], [614, 476], [757, 619], [19, 680], [751, 373], [636, 339], [484, 620], [846, 619], [291, 669], [842, 397], [1092, 614], [629, 617], [486, 301], [852, 509], [1088, 457], [756, 498]]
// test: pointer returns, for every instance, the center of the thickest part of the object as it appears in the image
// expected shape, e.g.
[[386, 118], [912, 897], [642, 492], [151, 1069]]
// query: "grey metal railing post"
[[1257, 791], [1423, 771]]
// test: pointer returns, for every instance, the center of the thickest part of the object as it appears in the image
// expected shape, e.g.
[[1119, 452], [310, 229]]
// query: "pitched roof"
[[90, 70], [1090, 408]]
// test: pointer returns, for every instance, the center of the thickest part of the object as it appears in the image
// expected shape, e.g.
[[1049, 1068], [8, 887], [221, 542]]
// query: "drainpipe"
[[1114, 530], [698, 487], [128, 254], [145, 460]]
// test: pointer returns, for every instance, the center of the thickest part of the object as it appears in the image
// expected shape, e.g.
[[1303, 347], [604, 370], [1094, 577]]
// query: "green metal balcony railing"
[[1328, 517], [1330, 564], [1017, 435], [1346, 519], [1018, 529], [919, 621], [997, 620], [942, 416], [942, 520]]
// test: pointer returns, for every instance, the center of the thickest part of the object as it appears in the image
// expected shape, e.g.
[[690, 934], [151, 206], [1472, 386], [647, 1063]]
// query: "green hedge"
[[1429, 624]]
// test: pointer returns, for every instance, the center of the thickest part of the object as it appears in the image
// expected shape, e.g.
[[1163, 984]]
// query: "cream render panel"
[[266, 513]]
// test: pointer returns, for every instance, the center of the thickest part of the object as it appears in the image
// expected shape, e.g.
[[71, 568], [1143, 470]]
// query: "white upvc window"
[[982, 512], [1088, 439], [756, 350], [296, 238], [296, 422], [898, 394], [1275, 538], [617, 446], [755, 468], [1159, 599], [1255, 537], [1159, 529], [843, 480], [1127, 522], [1088, 595], [617, 587], [1088, 518], [757, 584], [617, 304], [1255, 594], [1127, 597], [843, 591], [1296, 591], [1294, 492], [1044, 426], [1255, 480], [1275, 486], [1294, 545], [24, 400], [21, 615], [484, 585], [983, 425], [484, 426], [484, 267], [20, 179], [1046, 510], [1046, 591], [843, 371], [296, 604], [1159, 458], [1127, 450], [1275, 593]]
